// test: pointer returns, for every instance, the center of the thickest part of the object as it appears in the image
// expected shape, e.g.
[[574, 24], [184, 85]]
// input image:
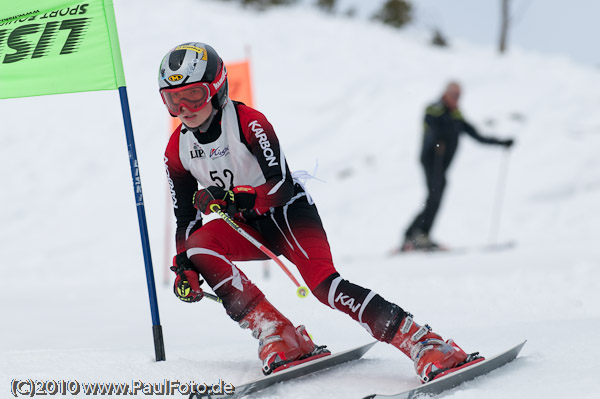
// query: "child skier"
[[232, 151]]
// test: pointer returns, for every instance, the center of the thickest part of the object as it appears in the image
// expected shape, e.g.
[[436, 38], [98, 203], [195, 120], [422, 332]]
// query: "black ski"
[[298, 371], [456, 378]]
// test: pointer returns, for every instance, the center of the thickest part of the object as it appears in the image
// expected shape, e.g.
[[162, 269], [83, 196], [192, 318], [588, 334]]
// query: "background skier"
[[443, 125]]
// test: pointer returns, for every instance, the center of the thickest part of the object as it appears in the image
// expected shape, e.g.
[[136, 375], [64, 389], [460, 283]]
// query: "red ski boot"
[[279, 342], [431, 355]]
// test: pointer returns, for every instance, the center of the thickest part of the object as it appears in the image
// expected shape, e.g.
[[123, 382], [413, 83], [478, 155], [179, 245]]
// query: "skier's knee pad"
[[378, 316]]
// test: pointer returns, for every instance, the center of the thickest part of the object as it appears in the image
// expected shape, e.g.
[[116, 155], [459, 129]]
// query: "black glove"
[[245, 198], [506, 143], [187, 281], [233, 202]]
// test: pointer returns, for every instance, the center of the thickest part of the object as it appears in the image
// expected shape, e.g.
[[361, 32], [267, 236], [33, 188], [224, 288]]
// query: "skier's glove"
[[187, 281], [245, 198], [203, 199], [234, 201]]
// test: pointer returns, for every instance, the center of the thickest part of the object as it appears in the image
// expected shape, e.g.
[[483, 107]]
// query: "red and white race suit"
[[240, 148]]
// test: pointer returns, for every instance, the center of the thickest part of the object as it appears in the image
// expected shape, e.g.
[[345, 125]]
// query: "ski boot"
[[420, 242], [432, 356], [280, 345]]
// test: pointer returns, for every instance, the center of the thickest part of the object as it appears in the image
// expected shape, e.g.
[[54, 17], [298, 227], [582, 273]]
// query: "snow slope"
[[346, 95]]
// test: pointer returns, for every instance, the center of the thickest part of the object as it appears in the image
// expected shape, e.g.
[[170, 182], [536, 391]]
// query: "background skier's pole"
[[499, 198]]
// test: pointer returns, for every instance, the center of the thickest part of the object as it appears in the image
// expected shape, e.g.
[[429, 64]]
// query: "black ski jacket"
[[441, 133]]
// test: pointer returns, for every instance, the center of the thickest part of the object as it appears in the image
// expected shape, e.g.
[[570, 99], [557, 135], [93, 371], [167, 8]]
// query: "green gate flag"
[[58, 46]]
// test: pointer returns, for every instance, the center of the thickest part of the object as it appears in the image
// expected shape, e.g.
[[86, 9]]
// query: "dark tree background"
[[396, 13]]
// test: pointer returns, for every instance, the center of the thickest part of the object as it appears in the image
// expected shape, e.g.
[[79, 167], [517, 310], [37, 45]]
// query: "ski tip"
[[369, 345]]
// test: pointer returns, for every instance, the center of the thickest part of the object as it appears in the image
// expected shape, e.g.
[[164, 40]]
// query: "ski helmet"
[[192, 74]]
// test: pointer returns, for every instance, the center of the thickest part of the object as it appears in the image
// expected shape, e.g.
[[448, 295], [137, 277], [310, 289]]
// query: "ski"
[[456, 378], [498, 247], [301, 370]]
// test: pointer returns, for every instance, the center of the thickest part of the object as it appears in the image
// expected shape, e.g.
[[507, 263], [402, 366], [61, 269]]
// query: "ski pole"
[[500, 188], [213, 297], [301, 291]]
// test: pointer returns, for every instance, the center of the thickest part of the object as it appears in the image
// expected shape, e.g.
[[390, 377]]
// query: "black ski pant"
[[435, 177]]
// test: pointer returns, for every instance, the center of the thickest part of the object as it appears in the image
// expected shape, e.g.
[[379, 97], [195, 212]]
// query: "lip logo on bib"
[[197, 151]]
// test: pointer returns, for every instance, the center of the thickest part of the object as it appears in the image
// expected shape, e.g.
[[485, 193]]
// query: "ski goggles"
[[194, 97]]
